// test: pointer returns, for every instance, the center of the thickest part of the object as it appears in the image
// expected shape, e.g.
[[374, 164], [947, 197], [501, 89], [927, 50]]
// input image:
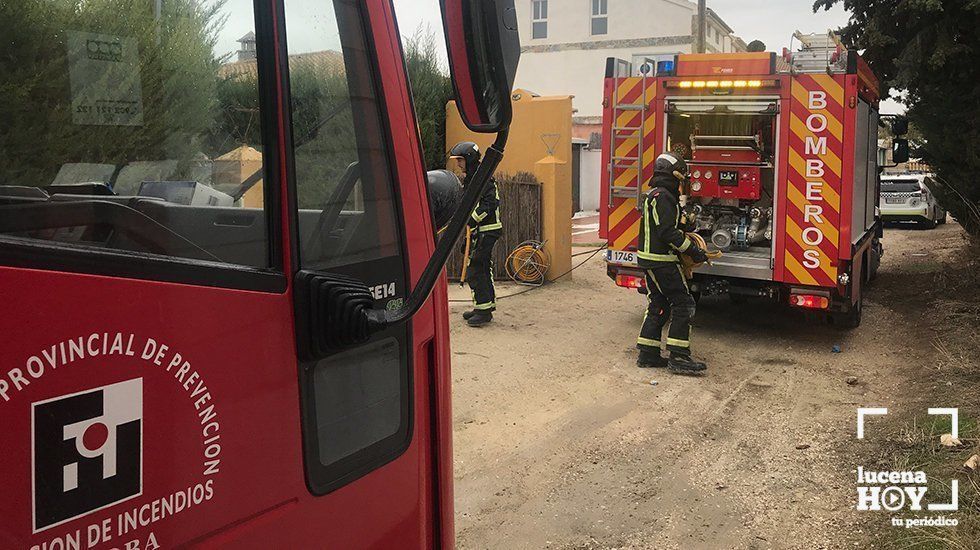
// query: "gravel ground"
[[561, 442]]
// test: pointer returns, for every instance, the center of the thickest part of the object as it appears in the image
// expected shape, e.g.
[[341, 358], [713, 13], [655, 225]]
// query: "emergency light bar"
[[699, 84]]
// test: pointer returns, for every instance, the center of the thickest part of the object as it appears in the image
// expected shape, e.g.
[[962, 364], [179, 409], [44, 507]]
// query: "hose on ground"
[[529, 289]]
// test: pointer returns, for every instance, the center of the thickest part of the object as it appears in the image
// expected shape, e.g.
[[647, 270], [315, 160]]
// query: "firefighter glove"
[[697, 254]]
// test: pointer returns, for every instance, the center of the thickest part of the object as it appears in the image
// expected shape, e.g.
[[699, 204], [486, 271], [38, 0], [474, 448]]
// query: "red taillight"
[[810, 301], [630, 281]]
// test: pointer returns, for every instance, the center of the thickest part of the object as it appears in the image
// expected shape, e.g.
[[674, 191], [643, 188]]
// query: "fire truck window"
[[344, 190], [357, 399], [135, 127]]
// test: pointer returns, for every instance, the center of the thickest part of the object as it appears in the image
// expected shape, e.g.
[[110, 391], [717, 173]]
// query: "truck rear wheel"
[[851, 318], [874, 260]]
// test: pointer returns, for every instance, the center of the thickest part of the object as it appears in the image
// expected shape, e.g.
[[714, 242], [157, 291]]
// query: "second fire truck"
[[783, 153]]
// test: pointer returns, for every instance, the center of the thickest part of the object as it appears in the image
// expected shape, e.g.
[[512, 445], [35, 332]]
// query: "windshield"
[[899, 186], [144, 129]]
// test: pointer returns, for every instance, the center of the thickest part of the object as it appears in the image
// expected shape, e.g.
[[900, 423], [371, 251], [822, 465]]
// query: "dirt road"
[[561, 442]]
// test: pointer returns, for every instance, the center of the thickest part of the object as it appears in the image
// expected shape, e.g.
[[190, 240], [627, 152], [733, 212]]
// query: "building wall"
[[570, 20], [540, 124], [580, 73], [589, 179], [572, 61]]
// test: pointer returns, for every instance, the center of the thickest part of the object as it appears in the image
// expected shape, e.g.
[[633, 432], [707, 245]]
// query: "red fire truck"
[[784, 176], [223, 316]]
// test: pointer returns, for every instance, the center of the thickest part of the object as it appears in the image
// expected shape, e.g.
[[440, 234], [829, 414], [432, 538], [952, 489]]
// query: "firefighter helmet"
[[445, 192], [669, 165], [469, 153]]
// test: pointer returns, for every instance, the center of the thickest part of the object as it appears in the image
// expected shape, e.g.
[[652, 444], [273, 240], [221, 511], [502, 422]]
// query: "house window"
[[600, 17], [539, 19]]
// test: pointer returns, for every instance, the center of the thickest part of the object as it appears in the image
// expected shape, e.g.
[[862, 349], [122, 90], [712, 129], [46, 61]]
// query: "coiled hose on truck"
[[688, 264]]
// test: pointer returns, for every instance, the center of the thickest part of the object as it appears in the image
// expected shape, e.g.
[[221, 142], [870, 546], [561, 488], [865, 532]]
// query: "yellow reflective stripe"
[[653, 208], [645, 245], [678, 343], [648, 342], [478, 217], [683, 277], [658, 257], [487, 305], [654, 277], [684, 245], [492, 226]]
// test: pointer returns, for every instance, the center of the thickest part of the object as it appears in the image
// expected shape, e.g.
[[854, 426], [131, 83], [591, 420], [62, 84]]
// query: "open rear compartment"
[[730, 145]]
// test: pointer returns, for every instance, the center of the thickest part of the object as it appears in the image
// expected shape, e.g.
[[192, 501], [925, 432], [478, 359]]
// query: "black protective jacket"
[[661, 235], [486, 215]]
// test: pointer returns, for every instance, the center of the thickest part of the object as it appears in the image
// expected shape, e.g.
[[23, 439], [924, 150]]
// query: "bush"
[[929, 49], [177, 84], [431, 90]]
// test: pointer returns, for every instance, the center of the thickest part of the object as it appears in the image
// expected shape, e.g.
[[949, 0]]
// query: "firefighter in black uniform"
[[485, 228], [661, 242]]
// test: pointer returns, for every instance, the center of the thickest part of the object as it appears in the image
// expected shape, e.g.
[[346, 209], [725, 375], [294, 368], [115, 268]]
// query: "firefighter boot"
[[479, 318], [682, 363], [651, 360], [472, 312]]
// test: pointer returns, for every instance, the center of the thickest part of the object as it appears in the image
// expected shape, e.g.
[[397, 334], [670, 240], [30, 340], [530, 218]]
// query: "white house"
[[565, 44]]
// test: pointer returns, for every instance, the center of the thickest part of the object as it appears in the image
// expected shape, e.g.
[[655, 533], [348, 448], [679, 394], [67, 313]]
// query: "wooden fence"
[[520, 212]]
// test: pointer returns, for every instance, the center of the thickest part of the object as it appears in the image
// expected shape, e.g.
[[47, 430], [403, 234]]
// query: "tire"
[[874, 260], [927, 224], [851, 319], [942, 216]]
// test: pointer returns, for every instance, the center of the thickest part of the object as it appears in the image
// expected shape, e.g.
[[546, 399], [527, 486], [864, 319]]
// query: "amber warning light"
[[720, 84]]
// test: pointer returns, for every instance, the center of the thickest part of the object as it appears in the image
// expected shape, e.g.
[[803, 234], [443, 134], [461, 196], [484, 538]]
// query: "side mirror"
[[484, 48], [900, 150]]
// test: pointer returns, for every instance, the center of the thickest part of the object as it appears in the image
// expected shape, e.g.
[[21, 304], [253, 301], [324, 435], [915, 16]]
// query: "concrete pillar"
[[556, 212]]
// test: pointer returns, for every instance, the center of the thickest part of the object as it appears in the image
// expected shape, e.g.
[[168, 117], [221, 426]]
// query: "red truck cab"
[[224, 320]]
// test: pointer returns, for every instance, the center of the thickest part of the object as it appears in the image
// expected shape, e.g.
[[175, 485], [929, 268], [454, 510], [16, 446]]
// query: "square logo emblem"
[[87, 452]]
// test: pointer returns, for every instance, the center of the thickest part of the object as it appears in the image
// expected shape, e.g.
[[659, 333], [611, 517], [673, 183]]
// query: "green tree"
[[431, 90], [175, 71], [930, 49]]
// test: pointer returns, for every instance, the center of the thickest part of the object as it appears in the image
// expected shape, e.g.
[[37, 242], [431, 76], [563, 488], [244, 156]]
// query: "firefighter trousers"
[[669, 300], [479, 274]]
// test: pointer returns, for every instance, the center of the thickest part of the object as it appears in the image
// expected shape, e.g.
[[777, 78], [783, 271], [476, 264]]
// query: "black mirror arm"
[[381, 318]]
